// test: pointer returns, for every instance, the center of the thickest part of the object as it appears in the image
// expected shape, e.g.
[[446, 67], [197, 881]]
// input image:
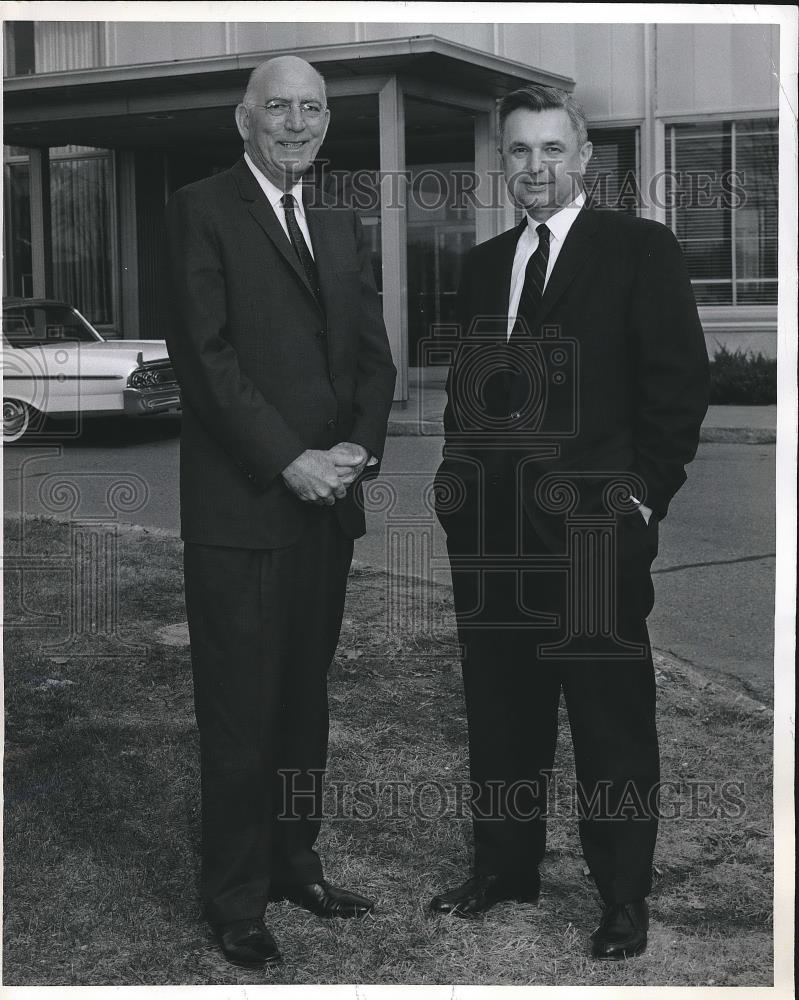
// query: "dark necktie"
[[299, 244], [534, 278]]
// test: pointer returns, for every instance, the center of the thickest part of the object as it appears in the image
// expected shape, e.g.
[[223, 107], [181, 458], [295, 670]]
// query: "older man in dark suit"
[[574, 403], [287, 380]]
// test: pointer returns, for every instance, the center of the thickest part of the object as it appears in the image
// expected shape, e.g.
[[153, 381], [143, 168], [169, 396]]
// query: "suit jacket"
[[612, 380], [265, 372]]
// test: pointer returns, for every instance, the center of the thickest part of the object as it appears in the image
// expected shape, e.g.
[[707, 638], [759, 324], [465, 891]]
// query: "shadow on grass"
[[102, 819]]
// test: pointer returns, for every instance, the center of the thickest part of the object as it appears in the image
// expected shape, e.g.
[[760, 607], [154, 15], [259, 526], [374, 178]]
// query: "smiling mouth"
[[293, 146]]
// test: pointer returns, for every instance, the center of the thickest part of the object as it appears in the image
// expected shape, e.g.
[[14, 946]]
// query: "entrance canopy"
[[167, 105], [420, 108]]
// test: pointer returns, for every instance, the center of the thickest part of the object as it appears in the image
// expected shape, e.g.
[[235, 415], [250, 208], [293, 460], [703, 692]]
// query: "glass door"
[[440, 160]]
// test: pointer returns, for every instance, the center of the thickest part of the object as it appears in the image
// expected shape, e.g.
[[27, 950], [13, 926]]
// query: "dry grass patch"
[[102, 824]]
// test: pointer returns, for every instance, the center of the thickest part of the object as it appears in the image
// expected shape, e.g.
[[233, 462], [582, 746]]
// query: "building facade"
[[103, 120]]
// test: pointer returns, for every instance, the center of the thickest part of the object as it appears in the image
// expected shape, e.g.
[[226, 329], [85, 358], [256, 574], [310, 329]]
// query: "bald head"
[[278, 72], [283, 118]]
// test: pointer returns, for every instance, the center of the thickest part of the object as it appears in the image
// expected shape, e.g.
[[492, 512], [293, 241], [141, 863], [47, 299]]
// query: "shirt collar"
[[272, 192], [560, 223]]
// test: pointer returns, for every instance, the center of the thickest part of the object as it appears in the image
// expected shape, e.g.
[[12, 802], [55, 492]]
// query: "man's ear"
[[585, 154], [327, 123], [243, 121]]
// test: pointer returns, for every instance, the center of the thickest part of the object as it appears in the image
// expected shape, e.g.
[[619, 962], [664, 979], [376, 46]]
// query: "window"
[[37, 326], [721, 193], [18, 49], [17, 261], [47, 46], [611, 177], [441, 222], [84, 241]]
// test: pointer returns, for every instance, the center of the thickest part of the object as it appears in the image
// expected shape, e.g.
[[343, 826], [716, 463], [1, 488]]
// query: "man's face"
[[283, 147], [543, 160]]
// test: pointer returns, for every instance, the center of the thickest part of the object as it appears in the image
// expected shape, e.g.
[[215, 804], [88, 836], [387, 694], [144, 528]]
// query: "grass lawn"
[[102, 808]]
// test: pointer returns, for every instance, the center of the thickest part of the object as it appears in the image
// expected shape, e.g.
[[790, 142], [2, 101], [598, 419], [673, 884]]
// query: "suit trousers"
[[511, 602], [263, 625]]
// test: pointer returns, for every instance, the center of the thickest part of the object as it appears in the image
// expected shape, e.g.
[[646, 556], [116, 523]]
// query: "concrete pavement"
[[422, 415], [714, 577]]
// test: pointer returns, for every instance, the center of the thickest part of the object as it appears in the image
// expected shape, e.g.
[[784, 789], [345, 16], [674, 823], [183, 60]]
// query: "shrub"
[[741, 377]]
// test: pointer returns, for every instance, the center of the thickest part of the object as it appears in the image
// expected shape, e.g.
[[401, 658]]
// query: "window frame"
[[669, 124], [616, 125], [109, 330]]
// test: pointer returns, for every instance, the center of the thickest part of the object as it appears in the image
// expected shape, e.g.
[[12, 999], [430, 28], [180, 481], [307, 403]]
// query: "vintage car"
[[55, 364]]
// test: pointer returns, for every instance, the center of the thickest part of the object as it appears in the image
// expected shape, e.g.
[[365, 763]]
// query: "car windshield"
[[37, 325]]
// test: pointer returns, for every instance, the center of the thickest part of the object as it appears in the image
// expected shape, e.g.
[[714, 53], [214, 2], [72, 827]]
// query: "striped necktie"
[[299, 244], [534, 278]]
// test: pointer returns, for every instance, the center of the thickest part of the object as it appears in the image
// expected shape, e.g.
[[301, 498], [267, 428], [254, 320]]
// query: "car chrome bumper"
[[138, 402]]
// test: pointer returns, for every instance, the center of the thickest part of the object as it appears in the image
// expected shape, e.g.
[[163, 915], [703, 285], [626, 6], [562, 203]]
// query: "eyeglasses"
[[311, 111]]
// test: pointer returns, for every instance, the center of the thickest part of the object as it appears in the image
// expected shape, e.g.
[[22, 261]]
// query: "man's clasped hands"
[[322, 477]]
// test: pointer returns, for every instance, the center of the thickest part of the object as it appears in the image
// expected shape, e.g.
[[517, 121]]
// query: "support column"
[[494, 213], [393, 219], [128, 244], [653, 189], [41, 223], [504, 215]]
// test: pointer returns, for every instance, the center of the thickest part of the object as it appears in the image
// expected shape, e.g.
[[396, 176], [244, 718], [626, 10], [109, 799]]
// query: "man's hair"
[[537, 98]]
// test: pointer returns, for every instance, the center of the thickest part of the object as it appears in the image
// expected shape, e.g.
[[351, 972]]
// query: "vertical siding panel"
[[675, 48], [755, 60], [627, 90], [557, 49], [774, 92], [289, 36], [478, 36], [249, 37], [165, 41], [713, 65], [522, 43], [718, 67], [593, 73]]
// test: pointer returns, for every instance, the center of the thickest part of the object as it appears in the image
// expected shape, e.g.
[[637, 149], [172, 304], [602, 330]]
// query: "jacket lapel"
[[579, 243], [260, 209], [498, 282]]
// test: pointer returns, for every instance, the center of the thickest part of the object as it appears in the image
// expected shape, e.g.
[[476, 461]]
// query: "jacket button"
[[515, 415], [332, 424], [321, 334]]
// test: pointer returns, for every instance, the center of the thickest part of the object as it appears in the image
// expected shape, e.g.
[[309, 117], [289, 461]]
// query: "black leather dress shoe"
[[622, 931], [324, 900], [482, 891], [248, 943]]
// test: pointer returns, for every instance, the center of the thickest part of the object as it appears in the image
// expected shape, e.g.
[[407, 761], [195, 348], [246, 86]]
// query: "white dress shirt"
[[558, 225], [274, 194]]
